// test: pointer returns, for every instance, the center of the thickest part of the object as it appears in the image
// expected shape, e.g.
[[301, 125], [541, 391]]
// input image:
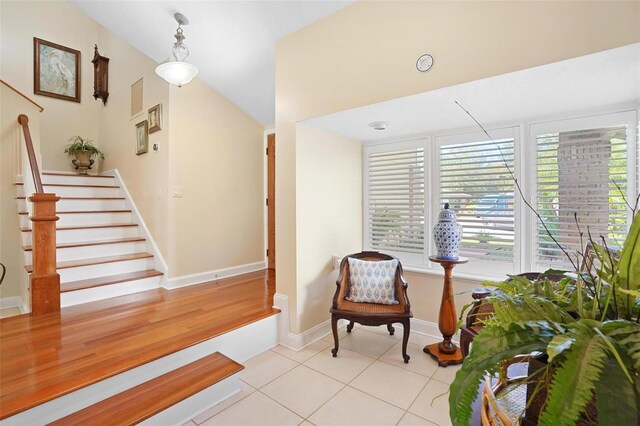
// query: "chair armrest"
[[401, 289], [342, 283]]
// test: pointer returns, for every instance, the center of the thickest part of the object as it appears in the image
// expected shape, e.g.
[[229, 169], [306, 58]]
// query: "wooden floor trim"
[[144, 401], [109, 280], [46, 356], [83, 198]]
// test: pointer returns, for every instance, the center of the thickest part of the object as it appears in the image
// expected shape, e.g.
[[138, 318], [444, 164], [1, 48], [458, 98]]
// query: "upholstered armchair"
[[389, 307]]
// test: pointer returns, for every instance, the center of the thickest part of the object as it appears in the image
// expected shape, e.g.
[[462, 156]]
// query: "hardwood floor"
[[44, 357]]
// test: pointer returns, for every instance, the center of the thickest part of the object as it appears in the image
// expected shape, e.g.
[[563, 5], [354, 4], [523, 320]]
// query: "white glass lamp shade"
[[177, 73]]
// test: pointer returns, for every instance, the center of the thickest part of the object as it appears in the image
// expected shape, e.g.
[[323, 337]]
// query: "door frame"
[[265, 192]]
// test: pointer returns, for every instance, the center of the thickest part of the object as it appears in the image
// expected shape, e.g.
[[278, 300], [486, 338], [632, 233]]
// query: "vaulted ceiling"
[[231, 42]]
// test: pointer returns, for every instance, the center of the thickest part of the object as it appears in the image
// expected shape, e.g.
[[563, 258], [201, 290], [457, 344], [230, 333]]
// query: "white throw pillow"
[[373, 281]]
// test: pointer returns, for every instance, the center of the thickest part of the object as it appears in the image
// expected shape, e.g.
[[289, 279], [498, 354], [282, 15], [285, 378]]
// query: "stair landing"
[[51, 355]]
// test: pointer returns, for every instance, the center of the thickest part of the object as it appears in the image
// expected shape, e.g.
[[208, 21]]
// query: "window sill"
[[479, 278]]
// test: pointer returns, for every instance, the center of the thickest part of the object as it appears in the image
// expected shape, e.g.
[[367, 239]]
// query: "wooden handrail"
[[23, 120], [40, 108]]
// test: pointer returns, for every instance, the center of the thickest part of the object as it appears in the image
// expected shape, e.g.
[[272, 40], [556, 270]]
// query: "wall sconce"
[[100, 76], [177, 71]]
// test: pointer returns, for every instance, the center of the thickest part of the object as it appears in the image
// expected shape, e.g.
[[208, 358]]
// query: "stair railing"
[[44, 280]]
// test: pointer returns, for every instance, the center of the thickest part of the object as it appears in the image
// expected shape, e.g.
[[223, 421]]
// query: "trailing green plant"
[[586, 326], [78, 143]]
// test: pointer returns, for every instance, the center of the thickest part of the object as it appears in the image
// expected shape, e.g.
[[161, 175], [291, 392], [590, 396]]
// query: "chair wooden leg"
[[405, 340], [391, 329], [350, 327], [334, 329]]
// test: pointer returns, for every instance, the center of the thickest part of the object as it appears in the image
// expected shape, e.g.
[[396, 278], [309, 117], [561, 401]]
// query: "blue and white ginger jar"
[[447, 234]]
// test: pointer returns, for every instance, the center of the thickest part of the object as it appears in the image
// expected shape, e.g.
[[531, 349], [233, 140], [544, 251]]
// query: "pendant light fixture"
[[178, 71]]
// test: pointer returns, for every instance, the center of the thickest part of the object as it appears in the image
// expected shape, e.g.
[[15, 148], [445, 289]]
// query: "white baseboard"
[[202, 277], [300, 341], [13, 302]]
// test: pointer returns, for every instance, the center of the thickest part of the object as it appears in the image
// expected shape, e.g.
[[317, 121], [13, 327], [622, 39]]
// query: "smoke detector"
[[379, 125]]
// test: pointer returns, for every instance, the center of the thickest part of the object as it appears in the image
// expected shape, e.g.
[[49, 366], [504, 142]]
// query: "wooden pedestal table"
[[446, 352]]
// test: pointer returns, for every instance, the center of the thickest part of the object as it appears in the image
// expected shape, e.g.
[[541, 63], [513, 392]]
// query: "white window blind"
[[576, 171], [475, 181], [395, 200]]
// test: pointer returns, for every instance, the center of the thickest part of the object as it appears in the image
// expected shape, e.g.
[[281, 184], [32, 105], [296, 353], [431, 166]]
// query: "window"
[[563, 167], [395, 200], [583, 175], [474, 179]]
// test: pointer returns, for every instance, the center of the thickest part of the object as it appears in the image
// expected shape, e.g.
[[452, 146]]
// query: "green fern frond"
[[490, 347], [576, 376]]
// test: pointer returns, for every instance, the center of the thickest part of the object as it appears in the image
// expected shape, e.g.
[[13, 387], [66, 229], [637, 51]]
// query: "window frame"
[[525, 169], [627, 118], [410, 259], [483, 268]]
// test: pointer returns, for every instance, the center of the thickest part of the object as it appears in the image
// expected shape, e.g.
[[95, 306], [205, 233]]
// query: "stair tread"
[[73, 185], [93, 243], [85, 211], [76, 174], [108, 280], [96, 261], [147, 399], [71, 228], [83, 198]]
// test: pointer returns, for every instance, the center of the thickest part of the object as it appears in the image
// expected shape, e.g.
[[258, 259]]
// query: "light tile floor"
[[367, 384]]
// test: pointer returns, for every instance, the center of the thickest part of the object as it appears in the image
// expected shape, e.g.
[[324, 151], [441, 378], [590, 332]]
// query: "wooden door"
[[271, 200]]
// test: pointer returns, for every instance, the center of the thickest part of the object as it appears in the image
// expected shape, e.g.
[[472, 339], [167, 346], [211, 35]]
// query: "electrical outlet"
[[336, 261]]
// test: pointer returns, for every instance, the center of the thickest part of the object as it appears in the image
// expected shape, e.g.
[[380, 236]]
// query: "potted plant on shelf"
[[584, 331], [84, 151]]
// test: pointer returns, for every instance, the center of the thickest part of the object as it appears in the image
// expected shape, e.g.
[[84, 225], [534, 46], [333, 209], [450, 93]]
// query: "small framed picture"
[[155, 118], [56, 70], [142, 137]]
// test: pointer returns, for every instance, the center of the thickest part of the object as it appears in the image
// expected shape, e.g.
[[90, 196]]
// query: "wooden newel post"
[[45, 280]]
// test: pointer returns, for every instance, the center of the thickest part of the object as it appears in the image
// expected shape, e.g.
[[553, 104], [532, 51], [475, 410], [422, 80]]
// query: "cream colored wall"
[[11, 146], [366, 53], [145, 175], [329, 216], [61, 23], [216, 156]]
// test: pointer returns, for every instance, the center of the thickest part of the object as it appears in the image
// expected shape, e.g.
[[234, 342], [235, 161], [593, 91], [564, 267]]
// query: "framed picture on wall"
[[56, 70], [155, 118], [142, 137]]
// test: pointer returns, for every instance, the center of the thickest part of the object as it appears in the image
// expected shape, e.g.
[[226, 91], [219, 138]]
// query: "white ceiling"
[[609, 78], [231, 42]]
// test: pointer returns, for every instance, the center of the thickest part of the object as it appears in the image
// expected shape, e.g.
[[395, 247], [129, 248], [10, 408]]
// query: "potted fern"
[[84, 151], [586, 330]]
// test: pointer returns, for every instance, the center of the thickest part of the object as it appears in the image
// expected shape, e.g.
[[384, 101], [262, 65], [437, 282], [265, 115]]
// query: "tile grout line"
[[344, 385]]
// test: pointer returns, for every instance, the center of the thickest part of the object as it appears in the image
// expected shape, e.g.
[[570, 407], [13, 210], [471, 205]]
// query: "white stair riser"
[[82, 191], [79, 205], [107, 291], [91, 234], [77, 180], [104, 269], [88, 252], [82, 219]]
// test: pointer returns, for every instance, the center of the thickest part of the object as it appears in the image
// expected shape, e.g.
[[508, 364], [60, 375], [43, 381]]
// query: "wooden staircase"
[[101, 251]]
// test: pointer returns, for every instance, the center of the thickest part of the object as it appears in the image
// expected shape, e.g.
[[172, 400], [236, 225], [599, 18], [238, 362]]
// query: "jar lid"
[[447, 215]]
